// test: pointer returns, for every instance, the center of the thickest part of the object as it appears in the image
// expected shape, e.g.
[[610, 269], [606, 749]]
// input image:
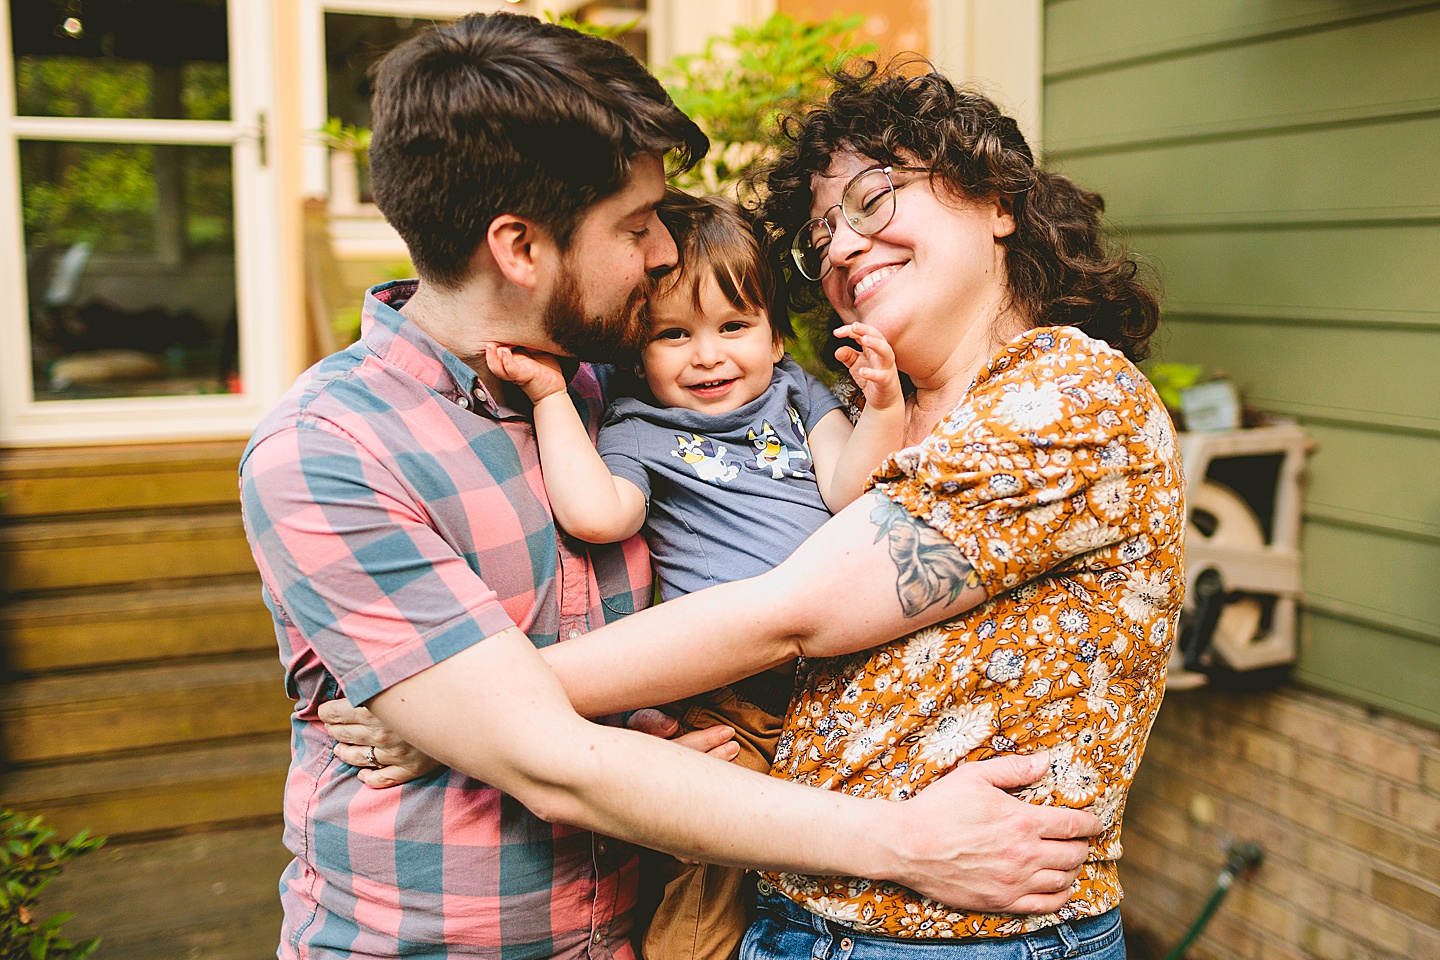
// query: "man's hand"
[[357, 731], [538, 374], [965, 841]]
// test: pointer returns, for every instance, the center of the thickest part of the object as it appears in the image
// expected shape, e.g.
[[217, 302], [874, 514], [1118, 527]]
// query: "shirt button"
[[600, 848], [764, 887], [480, 395], [463, 401], [598, 937], [574, 632], [846, 943]]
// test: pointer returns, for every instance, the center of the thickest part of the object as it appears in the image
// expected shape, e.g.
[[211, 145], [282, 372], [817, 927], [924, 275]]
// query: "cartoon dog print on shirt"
[[706, 457], [772, 454]]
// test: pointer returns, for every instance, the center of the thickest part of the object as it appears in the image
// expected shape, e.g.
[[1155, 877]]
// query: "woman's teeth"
[[872, 278]]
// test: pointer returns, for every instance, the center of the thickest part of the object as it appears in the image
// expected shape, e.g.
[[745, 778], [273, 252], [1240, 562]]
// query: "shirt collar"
[[403, 345]]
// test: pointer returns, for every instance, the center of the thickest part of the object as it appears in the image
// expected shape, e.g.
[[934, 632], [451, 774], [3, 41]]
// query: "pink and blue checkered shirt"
[[397, 515]]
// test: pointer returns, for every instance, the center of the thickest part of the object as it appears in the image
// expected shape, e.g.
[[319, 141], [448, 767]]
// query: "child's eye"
[[733, 326], [674, 333]]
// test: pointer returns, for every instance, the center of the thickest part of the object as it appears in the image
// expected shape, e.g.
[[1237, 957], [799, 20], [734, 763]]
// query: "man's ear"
[[519, 248]]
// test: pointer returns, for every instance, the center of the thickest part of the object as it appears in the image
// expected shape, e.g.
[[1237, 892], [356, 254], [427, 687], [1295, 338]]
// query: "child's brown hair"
[[715, 238]]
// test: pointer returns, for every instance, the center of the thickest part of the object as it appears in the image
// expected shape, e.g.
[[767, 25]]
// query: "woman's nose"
[[845, 243]]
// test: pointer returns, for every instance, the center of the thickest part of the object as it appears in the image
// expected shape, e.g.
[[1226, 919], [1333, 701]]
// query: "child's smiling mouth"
[[711, 388]]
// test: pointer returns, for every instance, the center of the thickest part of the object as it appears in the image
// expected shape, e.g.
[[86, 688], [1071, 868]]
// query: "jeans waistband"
[[770, 899]]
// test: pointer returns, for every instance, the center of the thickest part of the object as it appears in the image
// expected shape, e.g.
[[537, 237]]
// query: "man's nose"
[[661, 255]]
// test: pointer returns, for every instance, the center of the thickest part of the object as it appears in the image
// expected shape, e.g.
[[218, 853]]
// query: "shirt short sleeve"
[[815, 398], [349, 557], [1061, 456], [619, 447]]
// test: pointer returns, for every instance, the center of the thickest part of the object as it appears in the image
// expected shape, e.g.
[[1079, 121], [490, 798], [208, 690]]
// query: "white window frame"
[[26, 421]]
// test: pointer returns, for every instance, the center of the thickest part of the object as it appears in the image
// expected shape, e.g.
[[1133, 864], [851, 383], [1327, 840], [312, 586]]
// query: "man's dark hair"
[[501, 113], [1060, 266]]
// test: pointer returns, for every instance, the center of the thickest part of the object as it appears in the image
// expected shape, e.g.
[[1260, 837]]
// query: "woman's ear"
[[1004, 222]]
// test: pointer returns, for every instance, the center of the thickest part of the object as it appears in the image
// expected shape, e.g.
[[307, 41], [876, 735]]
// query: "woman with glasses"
[[1012, 581], [1033, 522]]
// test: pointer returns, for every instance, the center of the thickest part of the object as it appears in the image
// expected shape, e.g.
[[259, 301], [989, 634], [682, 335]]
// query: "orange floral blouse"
[[1059, 479]]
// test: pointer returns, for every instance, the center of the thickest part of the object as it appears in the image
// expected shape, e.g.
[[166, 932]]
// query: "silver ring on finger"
[[370, 760]]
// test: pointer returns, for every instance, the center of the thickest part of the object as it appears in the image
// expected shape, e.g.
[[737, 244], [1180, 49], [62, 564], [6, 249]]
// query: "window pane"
[[134, 59], [130, 262]]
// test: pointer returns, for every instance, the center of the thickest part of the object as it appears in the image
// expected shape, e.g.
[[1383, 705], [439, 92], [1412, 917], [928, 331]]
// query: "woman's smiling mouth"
[[867, 284]]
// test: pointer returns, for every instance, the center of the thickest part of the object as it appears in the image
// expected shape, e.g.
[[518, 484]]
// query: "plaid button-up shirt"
[[397, 515]]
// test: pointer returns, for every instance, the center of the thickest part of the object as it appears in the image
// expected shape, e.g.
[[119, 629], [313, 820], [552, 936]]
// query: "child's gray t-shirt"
[[728, 496]]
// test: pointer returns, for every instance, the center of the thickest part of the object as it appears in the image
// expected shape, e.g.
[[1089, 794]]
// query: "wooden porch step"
[[218, 891], [100, 714], [170, 790], [44, 482], [39, 555], [66, 633]]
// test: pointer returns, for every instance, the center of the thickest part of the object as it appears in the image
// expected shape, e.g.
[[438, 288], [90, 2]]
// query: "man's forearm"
[[522, 737]]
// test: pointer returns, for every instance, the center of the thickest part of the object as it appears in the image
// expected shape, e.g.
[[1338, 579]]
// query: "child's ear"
[[777, 349]]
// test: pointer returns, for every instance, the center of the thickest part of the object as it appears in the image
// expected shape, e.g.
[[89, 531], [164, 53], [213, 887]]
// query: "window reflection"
[[130, 260], [129, 59]]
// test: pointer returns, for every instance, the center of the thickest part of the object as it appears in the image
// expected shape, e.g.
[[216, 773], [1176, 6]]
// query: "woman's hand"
[[871, 364], [538, 374], [717, 741], [357, 732]]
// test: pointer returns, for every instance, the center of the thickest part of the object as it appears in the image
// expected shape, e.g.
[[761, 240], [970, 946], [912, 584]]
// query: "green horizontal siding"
[[1277, 162], [1384, 67], [1253, 181], [1091, 35]]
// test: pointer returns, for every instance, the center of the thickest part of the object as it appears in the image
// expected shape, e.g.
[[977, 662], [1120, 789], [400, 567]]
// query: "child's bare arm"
[[588, 501], [844, 456]]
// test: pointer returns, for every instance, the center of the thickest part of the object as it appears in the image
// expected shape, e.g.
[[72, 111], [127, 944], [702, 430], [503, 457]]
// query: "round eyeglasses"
[[868, 206]]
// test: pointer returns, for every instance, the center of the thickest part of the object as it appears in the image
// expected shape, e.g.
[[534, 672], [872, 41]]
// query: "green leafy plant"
[[740, 86], [603, 31], [30, 857]]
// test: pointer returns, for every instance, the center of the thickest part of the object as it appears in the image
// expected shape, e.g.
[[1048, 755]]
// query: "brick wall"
[[1344, 801]]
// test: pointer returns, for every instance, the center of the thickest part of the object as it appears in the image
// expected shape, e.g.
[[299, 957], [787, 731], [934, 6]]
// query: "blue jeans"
[[784, 930]]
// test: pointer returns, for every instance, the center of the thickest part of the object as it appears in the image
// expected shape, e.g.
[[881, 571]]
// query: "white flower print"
[[922, 652], [862, 746], [960, 669], [1135, 548], [1038, 688], [1099, 687], [1085, 534], [957, 731], [1107, 805], [840, 911], [1077, 781], [1005, 485], [1159, 632], [1073, 620], [1005, 665], [1144, 596], [1030, 407], [1157, 435], [1111, 497], [1040, 625]]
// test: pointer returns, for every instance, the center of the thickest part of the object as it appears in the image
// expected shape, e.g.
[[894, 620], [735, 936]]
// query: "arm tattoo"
[[932, 569]]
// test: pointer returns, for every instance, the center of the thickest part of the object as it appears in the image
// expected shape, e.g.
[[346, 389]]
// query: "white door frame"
[[25, 421]]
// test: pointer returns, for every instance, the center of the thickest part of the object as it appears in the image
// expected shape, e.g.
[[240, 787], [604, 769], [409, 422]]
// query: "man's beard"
[[614, 337]]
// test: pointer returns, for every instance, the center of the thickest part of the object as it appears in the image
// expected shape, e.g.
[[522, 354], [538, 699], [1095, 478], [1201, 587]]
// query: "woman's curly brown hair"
[[1060, 269]]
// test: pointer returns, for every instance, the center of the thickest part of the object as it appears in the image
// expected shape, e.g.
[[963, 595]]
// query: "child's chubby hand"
[[538, 374], [871, 364]]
